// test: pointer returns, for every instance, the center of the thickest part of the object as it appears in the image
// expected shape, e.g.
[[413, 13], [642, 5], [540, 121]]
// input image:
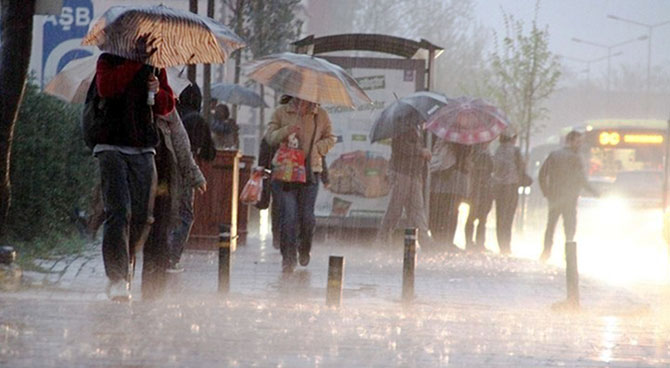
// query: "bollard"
[[409, 264], [7, 255], [572, 273], [224, 259], [335, 277]]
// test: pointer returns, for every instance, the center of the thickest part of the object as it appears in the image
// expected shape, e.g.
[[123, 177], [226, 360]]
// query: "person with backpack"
[[200, 145], [133, 93]]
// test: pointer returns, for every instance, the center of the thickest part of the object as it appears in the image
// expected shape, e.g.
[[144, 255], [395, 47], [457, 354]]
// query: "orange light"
[[609, 138], [643, 138]]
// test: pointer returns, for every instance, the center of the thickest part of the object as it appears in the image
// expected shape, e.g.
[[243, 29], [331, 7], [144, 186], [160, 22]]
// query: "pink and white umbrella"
[[467, 120]]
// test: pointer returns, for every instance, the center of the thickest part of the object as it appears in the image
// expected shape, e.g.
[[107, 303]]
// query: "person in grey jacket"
[[449, 187], [507, 168], [562, 178]]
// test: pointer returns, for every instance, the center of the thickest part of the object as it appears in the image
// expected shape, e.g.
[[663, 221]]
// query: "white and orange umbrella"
[[175, 37], [307, 77]]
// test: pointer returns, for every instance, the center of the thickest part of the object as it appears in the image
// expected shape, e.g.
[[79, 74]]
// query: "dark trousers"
[[506, 198], [568, 210], [444, 216], [128, 188], [179, 235], [296, 217], [275, 224], [479, 211]]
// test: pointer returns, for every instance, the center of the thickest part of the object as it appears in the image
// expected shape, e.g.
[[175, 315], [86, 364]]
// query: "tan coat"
[[285, 117]]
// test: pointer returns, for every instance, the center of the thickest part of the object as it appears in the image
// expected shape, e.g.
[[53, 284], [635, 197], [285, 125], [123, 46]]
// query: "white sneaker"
[[119, 291]]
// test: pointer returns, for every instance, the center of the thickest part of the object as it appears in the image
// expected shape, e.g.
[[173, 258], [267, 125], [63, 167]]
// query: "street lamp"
[[650, 28], [609, 51], [609, 55], [589, 62]]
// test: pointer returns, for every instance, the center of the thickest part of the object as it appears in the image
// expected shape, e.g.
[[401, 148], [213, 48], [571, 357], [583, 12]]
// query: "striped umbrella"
[[467, 120], [178, 37], [307, 77], [71, 84]]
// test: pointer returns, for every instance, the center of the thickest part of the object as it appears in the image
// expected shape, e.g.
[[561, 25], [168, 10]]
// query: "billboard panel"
[[359, 186]]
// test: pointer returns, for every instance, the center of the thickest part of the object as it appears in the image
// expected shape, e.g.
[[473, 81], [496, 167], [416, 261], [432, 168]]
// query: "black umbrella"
[[237, 95], [405, 113]]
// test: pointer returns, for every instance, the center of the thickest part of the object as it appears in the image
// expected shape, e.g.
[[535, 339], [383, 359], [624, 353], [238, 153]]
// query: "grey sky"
[[587, 19]]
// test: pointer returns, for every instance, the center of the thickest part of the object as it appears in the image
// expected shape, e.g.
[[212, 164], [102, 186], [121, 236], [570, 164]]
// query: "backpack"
[[93, 116]]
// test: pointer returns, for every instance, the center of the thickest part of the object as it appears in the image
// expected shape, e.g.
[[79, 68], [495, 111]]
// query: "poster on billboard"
[[359, 186]]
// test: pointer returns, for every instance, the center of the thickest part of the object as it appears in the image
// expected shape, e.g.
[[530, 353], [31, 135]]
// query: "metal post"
[[193, 8], [224, 259], [572, 273], [665, 167], [409, 264], [335, 277]]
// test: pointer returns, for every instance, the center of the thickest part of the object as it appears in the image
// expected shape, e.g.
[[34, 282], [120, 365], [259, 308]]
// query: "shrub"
[[52, 171]]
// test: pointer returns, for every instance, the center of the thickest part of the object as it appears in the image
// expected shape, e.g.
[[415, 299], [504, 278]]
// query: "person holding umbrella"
[[140, 41], [125, 149], [311, 125], [460, 124]]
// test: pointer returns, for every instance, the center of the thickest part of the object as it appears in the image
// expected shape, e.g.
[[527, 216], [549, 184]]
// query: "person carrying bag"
[[303, 132]]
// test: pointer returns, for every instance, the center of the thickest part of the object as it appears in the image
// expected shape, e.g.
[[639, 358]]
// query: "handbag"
[[251, 193], [288, 163]]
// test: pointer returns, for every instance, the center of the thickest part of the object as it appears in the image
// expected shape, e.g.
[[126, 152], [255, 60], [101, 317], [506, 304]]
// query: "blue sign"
[[63, 34]]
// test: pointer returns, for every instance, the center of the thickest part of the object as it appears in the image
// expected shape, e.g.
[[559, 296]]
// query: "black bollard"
[[572, 273], [409, 263], [335, 277], [224, 259], [7, 255]]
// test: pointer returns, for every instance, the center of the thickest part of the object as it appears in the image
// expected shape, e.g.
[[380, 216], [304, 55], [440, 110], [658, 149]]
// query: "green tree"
[[524, 73]]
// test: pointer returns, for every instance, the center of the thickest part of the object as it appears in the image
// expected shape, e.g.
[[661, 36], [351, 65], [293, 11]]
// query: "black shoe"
[[303, 258]]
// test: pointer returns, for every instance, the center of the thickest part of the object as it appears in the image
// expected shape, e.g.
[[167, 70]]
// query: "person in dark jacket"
[[480, 199], [125, 150], [561, 178], [226, 131], [408, 168], [202, 147]]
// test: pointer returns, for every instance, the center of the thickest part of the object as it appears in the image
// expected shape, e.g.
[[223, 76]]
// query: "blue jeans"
[[182, 229], [296, 217]]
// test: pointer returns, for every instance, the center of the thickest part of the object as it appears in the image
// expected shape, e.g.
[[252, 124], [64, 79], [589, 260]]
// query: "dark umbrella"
[[237, 95], [403, 114]]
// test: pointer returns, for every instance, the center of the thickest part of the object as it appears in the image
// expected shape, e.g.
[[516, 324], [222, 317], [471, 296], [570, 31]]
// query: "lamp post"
[[650, 29], [609, 55], [589, 62]]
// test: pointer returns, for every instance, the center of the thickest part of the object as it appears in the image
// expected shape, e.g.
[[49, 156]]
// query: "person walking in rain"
[[310, 124], [125, 149], [198, 144], [480, 199], [508, 167], [562, 178], [450, 182], [408, 168]]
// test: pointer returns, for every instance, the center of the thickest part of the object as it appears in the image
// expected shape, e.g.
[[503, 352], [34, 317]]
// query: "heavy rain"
[[311, 183]]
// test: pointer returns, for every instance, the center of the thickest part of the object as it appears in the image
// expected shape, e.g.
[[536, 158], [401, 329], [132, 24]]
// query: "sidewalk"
[[470, 310]]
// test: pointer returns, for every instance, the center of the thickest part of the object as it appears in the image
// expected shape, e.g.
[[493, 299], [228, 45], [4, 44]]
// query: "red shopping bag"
[[288, 165], [251, 193]]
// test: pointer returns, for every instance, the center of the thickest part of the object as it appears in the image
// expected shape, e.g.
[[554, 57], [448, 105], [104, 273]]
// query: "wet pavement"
[[470, 310]]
